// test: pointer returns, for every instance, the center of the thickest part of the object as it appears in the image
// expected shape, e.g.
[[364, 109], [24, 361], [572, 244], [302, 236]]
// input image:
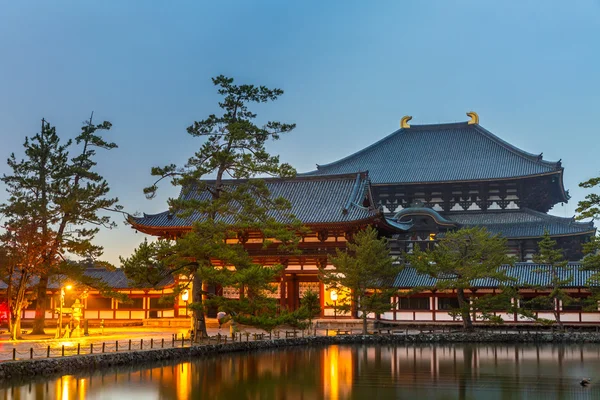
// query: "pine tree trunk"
[[557, 314], [465, 311], [199, 320], [15, 333], [39, 322], [364, 320]]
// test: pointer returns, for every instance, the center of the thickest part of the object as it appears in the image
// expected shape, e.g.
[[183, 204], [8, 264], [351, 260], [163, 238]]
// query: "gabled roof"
[[441, 153], [333, 199], [523, 223], [525, 274]]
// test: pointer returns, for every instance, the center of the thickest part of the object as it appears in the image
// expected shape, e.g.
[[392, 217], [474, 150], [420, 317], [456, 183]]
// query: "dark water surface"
[[344, 372]]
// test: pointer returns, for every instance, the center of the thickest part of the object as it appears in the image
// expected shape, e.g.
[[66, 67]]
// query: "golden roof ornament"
[[474, 117], [404, 122]]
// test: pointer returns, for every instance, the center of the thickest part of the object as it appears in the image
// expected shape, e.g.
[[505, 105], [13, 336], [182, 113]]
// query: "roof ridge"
[[441, 125], [297, 177]]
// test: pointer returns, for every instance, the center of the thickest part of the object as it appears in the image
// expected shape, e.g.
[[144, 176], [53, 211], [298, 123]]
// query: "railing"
[[41, 350]]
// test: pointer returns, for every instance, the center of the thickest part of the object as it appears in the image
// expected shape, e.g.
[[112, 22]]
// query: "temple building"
[[448, 176], [413, 185]]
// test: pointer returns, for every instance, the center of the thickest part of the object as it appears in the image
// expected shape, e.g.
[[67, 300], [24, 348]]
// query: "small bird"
[[585, 381]]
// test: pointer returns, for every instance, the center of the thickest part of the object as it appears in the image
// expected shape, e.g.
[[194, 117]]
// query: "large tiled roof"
[[440, 153], [314, 200], [525, 274], [115, 279], [523, 223]]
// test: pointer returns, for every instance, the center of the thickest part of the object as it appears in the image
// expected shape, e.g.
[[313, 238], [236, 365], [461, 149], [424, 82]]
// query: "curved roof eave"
[[429, 212]]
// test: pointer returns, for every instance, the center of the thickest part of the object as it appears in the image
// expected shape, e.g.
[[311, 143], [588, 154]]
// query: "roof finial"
[[474, 117], [404, 122]]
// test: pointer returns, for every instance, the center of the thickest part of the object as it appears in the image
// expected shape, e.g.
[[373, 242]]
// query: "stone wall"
[[51, 366]]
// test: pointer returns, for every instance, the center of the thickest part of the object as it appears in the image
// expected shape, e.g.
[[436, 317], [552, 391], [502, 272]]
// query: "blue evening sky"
[[350, 71]]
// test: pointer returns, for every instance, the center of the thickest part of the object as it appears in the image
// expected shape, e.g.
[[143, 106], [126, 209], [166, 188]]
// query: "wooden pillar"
[[282, 292], [432, 305], [322, 298], [204, 290], [292, 292]]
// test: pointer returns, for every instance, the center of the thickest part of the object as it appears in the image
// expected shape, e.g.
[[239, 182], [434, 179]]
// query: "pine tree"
[[23, 246], [559, 275], [461, 257], [233, 147], [363, 273], [590, 208]]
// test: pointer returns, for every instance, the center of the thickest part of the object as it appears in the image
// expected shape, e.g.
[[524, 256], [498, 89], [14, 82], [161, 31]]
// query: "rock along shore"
[[53, 366]]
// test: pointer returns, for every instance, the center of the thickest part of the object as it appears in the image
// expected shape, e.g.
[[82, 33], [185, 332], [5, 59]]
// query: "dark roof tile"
[[327, 199], [440, 153], [523, 223], [526, 274]]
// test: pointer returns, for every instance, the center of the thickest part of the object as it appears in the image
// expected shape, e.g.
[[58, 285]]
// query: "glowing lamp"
[[185, 295], [333, 295]]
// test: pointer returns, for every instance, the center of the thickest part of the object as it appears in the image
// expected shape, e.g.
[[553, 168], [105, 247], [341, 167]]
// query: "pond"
[[343, 372]]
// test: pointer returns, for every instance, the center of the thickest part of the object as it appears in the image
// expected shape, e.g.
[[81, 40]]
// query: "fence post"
[[14, 354], [103, 346], [78, 348], [116, 346], [63, 351], [48, 352], [141, 344], [151, 343], [182, 340], [31, 352], [173, 339], [162, 343], [91, 348], [129, 344]]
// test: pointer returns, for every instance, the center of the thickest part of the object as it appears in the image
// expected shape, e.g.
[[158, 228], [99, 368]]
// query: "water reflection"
[[343, 372]]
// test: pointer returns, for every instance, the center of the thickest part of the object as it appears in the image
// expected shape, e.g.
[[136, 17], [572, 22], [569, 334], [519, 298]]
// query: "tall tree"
[[558, 275], [460, 258], [64, 198], [234, 146], [23, 246], [590, 208], [363, 273]]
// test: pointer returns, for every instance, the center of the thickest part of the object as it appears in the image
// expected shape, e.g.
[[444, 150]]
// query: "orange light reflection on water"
[[337, 373]]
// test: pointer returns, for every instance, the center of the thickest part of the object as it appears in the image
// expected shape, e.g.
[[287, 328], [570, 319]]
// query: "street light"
[[60, 310], [334, 296]]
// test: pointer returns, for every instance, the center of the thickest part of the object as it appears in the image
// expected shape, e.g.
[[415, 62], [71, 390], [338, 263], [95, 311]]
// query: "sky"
[[350, 71]]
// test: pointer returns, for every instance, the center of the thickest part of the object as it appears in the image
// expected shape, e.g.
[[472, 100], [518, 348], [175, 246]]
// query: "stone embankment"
[[52, 366]]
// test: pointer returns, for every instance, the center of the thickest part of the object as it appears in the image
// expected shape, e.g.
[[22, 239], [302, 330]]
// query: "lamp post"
[[334, 296], [60, 310], [185, 297]]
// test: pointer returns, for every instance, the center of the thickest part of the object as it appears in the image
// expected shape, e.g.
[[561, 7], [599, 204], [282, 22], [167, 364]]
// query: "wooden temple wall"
[[145, 305], [433, 307]]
